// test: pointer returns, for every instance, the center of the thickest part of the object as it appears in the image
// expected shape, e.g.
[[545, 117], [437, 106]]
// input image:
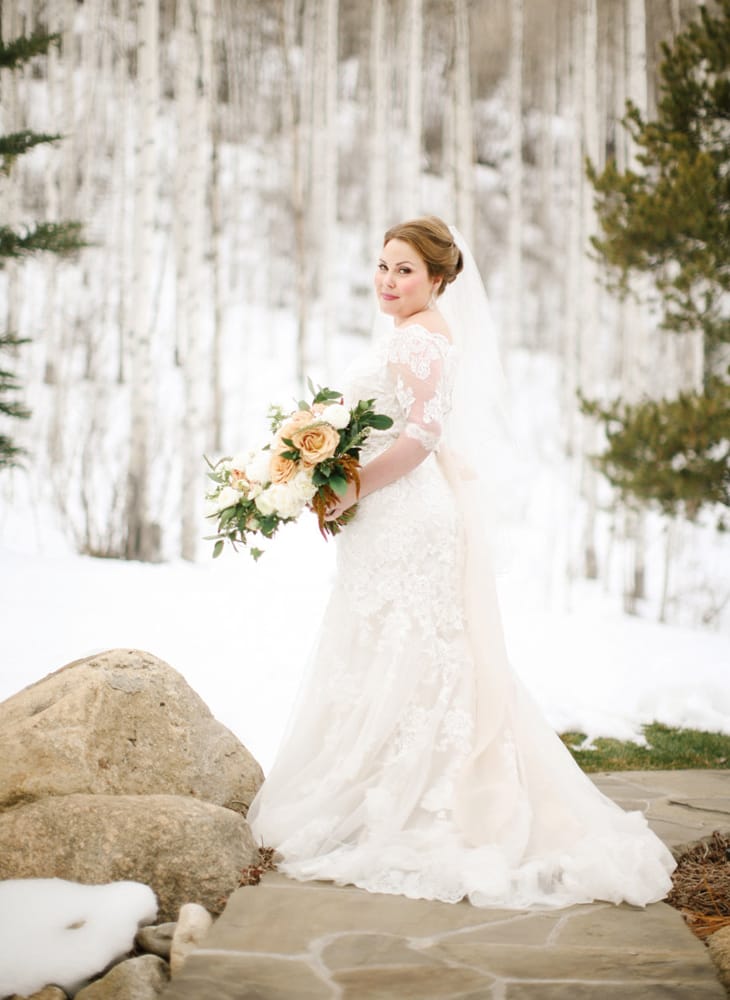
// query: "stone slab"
[[285, 940]]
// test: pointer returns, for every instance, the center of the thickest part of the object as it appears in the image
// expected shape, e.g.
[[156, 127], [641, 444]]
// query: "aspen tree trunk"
[[674, 13], [195, 27], [574, 256], [143, 535], [52, 332], [10, 189], [635, 360], [550, 312], [123, 130], [216, 237], [411, 200], [589, 332], [292, 138], [90, 128], [514, 184], [329, 255], [463, 132], [378, 165]]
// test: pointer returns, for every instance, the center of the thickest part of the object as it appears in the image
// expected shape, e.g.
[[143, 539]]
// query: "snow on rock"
[[59, 932]]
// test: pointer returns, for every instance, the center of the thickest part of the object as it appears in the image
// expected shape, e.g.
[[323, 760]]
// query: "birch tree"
[[588, 315], [194, 28], [293, 111], [143, 534], [463, 153], [378, 159], [635, 356], [515, 171], [328, 251], [411, 200]]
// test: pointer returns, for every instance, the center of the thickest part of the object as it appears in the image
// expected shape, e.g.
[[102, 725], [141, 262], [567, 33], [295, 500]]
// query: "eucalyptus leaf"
[[218, 548]]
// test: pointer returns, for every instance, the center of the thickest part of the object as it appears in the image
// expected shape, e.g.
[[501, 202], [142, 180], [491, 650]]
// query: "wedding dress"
[[415, 762]]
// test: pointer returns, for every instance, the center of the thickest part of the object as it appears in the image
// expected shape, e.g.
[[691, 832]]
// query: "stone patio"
[[284, 939]]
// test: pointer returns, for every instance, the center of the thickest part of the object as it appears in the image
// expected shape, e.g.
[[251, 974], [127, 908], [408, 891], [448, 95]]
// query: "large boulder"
[[121, 722], [184, 849]]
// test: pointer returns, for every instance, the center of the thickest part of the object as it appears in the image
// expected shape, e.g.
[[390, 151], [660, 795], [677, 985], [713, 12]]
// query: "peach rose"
[[281, 469], [316, 443], [298, 420]]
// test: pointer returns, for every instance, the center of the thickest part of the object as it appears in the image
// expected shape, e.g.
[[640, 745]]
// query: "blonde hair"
[[431, 237]]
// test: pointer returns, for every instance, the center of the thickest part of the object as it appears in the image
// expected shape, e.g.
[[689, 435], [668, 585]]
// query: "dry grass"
[[701, 885]]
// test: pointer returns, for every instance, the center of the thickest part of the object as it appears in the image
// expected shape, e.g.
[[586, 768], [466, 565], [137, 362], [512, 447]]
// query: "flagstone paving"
[[285, 940]]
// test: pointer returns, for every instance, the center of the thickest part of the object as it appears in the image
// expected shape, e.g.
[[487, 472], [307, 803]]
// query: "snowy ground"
[[240, 632]]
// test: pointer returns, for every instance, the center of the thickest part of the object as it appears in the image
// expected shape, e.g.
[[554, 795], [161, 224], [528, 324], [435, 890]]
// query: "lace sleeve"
[[416, 358]]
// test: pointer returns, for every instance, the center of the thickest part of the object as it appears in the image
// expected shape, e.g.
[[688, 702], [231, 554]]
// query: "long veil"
[[475, 431]]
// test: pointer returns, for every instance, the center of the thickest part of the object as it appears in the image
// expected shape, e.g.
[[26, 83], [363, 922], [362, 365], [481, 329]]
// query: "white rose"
[[266, 501], [257, 470], [288, 501], [302, 486], [241, 460], [228, 497], [337, 415]]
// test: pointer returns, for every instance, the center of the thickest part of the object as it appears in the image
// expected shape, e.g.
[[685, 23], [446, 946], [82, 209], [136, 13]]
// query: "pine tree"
[[673, 453], [50, 237], [669, 219]]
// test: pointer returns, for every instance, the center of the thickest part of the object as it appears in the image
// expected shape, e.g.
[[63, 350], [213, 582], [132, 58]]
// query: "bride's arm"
[[418, 387]]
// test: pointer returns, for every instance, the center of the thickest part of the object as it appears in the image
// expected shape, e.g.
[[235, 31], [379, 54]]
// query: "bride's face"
[[402, 282]]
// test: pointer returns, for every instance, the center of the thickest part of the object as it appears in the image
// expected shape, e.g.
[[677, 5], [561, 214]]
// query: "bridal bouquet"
[[312, 455]]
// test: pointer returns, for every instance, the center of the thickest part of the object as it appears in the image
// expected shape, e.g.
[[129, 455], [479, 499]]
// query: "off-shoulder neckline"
[[420, 326]]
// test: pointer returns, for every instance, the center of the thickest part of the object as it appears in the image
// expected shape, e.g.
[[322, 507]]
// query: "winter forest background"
[[234, 165]]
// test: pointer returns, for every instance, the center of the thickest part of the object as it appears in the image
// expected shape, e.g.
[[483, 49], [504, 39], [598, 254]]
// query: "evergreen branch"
[[21, 50], [15, 144], [53, 237], [10, 454]]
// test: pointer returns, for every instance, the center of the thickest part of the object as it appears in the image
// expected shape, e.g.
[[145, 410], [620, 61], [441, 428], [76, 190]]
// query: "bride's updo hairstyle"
[[431, 237]]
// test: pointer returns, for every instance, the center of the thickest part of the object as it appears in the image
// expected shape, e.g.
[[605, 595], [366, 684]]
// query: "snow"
[[240, 633], [59, 932]]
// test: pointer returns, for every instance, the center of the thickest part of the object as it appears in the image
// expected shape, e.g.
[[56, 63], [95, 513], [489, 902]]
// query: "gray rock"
[[184, 849], [156, 940], [142, 978], [122, 722]]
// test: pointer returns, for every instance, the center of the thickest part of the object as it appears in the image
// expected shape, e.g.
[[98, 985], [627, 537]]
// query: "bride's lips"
[[388, 298]]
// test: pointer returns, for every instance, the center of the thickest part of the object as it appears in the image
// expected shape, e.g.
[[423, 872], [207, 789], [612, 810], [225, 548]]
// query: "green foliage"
[[48, 237], [671, 219], [674, 453], [52, 237], [10, 454], [14, 144], [665, 749], [17, 51]]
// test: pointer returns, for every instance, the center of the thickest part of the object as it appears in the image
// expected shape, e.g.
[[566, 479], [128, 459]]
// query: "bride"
[[415, 762]]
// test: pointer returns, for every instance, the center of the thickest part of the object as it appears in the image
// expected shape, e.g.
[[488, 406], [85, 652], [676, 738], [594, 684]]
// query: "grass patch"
[[667, 749]]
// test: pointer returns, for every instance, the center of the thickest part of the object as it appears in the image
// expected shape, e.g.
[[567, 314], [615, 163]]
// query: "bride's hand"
[[343, 504]]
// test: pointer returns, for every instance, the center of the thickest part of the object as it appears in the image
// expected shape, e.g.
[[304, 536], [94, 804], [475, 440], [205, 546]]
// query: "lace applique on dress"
[[420, 362]]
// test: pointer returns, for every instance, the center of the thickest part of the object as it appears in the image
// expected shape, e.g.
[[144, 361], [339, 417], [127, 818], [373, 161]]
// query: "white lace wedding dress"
[[415, 762]]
